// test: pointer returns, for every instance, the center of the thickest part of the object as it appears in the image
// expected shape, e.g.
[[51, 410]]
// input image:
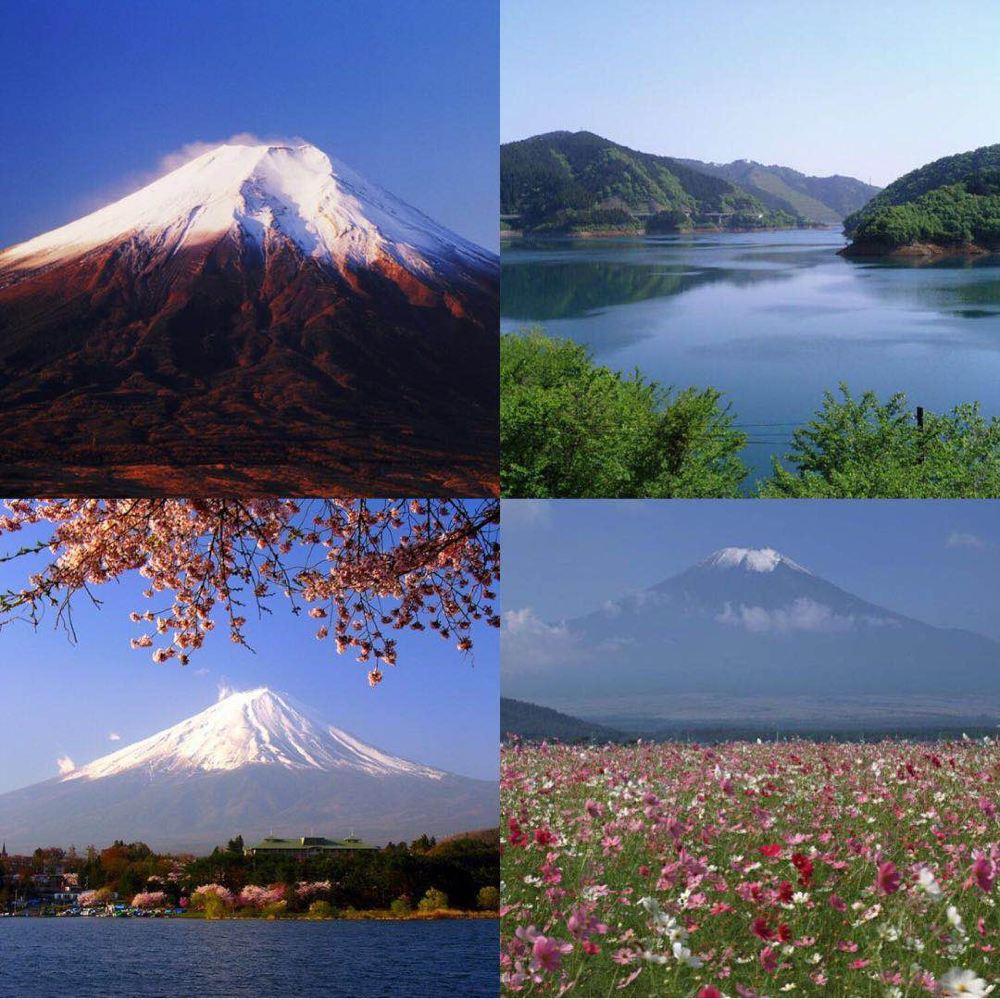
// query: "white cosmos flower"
[[682, 954], [959, 982], [928, 883], [955, 918]]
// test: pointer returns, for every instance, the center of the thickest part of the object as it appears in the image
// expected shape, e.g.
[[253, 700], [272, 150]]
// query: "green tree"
[[401, 906], [569, 427], [320, 909], [863, 448], [433, 900], [488, 898], [215, 908]]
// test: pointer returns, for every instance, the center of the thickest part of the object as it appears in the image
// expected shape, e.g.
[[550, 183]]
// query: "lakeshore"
[[363, 915]]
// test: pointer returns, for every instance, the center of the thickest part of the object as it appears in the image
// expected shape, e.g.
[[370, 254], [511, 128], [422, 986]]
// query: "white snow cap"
[[751, 559], [248, 727], [331, 212]]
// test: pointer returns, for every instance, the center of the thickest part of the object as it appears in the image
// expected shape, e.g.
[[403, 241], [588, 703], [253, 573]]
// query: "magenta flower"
[[887, 878], [983, 871], [547, 953], [769, 959]]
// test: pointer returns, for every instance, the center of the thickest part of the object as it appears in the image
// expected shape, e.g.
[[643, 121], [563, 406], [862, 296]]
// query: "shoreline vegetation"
[[456, 878], [359, 915], [947, 208], [571, 427], [625, 231]]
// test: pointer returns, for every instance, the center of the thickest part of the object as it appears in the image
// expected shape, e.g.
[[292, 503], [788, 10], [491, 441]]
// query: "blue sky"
[[60, 699], [938, 561], [870, 90], [97, 92]]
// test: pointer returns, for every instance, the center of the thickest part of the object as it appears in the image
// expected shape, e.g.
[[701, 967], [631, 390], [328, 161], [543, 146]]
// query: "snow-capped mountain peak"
[[258, 192], [246, 728], [751, 560]]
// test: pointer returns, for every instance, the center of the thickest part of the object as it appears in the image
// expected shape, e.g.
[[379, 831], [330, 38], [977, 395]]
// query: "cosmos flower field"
[[751, 869]]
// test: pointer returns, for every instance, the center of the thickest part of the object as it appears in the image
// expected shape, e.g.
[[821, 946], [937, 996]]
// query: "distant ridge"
[[532, 721], [825, 200]]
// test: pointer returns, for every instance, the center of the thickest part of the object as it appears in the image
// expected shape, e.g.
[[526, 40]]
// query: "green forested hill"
[[531, 721], [816, 199], [946, 171], [963, 216], [577, 180]]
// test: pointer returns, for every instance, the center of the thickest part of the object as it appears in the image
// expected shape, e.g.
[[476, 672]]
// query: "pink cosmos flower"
[[983, 870], [547, 952], [769, 959], [708, 992], [887, 878]]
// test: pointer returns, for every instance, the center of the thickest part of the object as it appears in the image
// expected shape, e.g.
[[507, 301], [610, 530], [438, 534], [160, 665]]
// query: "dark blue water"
[[772, 319], [179, 957]]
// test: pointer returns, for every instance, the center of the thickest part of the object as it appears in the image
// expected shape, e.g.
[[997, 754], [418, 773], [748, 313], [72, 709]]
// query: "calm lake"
[[772, 319], [177, 957]]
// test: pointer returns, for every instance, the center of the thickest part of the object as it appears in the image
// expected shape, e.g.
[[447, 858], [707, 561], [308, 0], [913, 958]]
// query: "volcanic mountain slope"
[[254, 763], [260, 319], [745, 624]]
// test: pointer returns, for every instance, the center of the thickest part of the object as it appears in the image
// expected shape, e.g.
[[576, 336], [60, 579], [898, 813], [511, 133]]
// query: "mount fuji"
[[261, 318], [254, 763], [750, 635]]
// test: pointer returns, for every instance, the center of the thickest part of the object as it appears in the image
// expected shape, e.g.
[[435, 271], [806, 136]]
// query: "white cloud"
[[528, 642], [802, 614], [201, 671], [193, 150], [114, 737], [526, 622], [965, 539], [225, 688], [65, 764], [525, 513]]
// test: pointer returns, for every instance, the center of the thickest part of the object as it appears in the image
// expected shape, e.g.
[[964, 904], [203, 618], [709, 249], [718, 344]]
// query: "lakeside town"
[[309, 877]]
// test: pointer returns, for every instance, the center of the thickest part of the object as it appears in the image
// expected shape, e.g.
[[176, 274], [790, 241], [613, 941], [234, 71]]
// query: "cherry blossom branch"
[[368, 567]]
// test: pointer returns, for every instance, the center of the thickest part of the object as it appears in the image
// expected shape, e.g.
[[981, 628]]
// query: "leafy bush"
[[433, 901], [215, 907], [488, 898], [401, 906], [320, 909], [863, 448], [569, 427]]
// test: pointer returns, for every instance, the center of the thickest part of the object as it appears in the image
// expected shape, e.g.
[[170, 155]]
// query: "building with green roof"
[[304, 846]]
